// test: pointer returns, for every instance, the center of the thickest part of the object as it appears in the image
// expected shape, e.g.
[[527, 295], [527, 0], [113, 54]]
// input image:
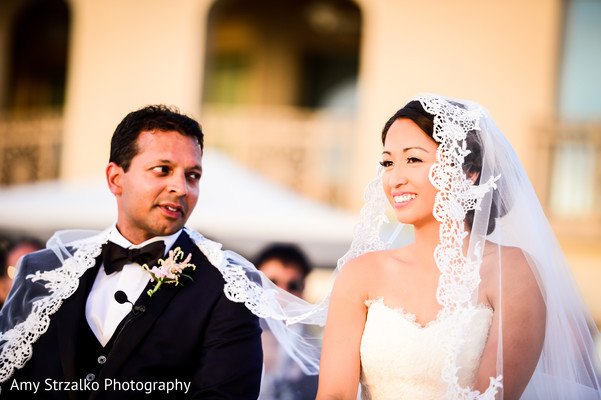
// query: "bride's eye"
[[412, 160], [386, 163]]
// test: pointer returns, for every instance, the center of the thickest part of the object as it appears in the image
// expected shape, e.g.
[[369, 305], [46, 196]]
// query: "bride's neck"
[[426, 240]]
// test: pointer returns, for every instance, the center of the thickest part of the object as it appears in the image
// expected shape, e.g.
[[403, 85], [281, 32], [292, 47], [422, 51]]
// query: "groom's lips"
[[172, 210]]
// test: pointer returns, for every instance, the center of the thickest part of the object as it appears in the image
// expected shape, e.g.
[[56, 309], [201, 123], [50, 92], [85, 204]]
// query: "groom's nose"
[[178, 184]]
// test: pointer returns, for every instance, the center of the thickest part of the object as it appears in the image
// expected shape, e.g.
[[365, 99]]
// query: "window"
[[575, 185]]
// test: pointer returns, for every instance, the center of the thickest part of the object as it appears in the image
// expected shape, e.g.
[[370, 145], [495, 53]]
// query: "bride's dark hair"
[[472, 163]]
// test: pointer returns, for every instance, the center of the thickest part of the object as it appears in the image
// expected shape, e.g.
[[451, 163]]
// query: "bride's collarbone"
[[409, 295], [409, 275], [410, 288]]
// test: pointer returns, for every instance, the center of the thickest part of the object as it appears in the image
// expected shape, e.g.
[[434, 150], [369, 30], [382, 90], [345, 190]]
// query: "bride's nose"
[[397, 176]]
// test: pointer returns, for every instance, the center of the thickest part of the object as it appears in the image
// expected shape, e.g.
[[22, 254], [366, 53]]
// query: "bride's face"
[[407, 157]]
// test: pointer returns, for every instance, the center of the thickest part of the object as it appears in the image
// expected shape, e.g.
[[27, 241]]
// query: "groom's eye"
[[193, 176], [161, 169]]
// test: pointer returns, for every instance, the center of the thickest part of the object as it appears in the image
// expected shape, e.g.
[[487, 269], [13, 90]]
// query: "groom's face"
[[158, 192]]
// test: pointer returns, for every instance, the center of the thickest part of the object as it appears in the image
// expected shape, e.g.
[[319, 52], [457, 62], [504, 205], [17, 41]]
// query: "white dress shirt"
[[103, 312]]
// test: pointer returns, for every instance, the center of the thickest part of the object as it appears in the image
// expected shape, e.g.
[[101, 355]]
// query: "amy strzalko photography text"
[[109, 385]]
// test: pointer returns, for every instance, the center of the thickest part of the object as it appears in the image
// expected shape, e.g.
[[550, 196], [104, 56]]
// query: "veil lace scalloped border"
[[77, 257], [239, 288], [459, 274], [61, 283]]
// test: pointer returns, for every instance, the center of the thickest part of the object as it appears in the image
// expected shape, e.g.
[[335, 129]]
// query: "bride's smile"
[[407, 157]]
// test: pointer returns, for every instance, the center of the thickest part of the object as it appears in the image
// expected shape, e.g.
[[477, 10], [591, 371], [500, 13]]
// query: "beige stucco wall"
[[124, 55], [502, 54]]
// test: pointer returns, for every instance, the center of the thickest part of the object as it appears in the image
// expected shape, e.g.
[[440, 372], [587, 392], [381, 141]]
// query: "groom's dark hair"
[[150, 118]]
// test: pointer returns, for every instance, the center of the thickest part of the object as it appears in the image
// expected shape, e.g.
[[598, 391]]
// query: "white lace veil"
[[36, 295], [568, 367], [502, 198]]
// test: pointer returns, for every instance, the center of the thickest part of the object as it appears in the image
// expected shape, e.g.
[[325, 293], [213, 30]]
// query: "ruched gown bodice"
[[401, 359]]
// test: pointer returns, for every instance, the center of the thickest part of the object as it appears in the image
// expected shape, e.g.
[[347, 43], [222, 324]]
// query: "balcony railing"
[[30, 145], [308, 151], [573, 159]]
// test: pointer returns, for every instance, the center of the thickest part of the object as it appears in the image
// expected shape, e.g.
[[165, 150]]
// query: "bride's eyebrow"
[[406, 149]]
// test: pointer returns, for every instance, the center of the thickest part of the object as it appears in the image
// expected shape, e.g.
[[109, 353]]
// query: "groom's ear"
[[113, 178]]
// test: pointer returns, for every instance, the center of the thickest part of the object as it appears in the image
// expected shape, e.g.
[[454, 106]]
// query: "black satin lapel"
[[185, 244], [68, 320], [136, 328]]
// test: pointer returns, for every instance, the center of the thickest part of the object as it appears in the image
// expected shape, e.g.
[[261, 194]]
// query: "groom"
[[113, 337]]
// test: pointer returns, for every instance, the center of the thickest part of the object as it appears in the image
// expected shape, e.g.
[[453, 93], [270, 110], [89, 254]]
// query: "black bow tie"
[[115, 256]]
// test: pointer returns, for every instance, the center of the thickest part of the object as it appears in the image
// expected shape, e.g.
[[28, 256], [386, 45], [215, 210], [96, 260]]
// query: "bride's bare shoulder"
[[515, 267], [366, 268], [509, 256], [369, 261]]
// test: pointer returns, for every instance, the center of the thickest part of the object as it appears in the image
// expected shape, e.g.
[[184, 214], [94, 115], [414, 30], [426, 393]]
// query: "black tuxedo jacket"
[[187, 334]]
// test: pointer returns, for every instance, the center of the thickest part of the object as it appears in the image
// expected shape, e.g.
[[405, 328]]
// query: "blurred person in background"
[[15, 250], [288, 267]]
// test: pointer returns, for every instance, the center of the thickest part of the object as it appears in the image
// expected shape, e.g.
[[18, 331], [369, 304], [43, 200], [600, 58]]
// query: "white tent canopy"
[[236, 206]]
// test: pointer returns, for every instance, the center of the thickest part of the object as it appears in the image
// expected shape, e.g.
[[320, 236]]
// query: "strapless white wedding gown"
[[400, 359]]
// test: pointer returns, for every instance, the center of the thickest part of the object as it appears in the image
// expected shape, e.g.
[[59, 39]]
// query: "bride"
[[481, 303]]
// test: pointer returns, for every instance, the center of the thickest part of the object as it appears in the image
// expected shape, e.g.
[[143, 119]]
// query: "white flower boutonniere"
[[169, 269]]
